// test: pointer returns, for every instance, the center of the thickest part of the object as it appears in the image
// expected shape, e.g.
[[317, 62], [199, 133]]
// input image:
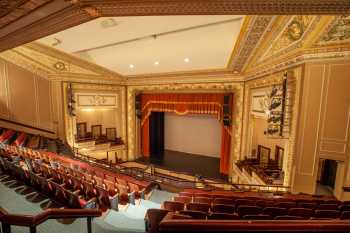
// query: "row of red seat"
[[108, 191], [247, 210], [280, 202]]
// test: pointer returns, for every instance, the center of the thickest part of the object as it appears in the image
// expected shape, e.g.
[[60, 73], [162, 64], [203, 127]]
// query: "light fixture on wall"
[[131, 66], [187, 60], [156, 63]]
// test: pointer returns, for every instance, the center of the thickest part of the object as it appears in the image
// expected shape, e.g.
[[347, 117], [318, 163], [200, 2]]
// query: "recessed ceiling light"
[[187, 60], [156, 63], [131, 66]]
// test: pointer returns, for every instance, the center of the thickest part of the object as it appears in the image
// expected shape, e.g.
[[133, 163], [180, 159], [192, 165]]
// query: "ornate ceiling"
[[267, 42], [23, 21]]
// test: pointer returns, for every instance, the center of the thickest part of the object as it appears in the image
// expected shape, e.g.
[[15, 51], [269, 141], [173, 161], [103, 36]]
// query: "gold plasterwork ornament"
[[60, 66]]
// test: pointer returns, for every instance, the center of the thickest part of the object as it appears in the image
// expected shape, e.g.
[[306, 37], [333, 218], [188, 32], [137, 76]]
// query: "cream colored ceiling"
[[207, 41]]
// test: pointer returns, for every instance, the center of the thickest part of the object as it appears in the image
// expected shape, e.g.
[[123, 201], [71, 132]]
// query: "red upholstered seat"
[[173, 206], [56, 177], [224, 201], [243, 210], [287, 205], [76, 201], [198, 207], [345, 215], [223, 216], [123, 193], [327, 214], [265, 203], [223, 208], [186, 194], [98, 181], [257, 217], [288, 217], [139, 192], [182, 199], [88, 177], [202, 195], [301, 212], [194, 214], [110, 178], [275, 211], [327, 207], [202, 200], [59, 193], [247, 202], [105, 200], [308, 205], [89, 190], [110, 186], [121, 181], [344, 208]]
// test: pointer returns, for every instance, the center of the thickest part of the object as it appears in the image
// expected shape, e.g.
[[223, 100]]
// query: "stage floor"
[[205, 166]]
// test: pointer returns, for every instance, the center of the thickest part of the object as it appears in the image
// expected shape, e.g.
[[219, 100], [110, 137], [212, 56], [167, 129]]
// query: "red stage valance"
[[187, 103]]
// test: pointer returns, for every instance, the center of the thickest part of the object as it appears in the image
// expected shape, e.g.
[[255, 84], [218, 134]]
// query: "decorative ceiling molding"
[[296, 60], [69, 13], [249, 41], [186, 77], [76, 64], [291, 36], [337, 32], [290, 51], [53, 64]]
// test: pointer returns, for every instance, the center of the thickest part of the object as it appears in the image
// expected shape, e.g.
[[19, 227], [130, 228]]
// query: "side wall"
[[324, 125], [27, 98]]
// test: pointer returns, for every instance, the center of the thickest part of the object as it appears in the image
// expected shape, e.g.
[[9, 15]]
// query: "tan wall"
[[108, 118], [259, 138], [26, 98], [195, 134], [323, 124]]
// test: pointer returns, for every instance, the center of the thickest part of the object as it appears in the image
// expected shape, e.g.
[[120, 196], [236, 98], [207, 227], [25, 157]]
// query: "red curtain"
[[186, 103]]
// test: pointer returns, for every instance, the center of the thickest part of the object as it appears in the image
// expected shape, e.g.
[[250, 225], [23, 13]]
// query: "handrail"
[[27, 126], [32, 221], [139, 173]]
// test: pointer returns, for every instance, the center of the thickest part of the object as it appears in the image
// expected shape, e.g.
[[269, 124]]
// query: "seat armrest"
[[114, 201], [76, 192], [131, 197], [142, 193], [90, 204]]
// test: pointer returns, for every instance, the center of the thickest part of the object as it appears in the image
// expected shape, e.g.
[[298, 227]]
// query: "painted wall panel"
[[22, 95]]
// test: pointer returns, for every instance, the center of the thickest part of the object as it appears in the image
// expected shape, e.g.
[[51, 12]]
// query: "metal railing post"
[[32, 229], [6, 228], [89, 221]]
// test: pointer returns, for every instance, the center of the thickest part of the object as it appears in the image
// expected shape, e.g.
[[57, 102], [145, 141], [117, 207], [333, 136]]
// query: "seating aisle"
[[130, 219]]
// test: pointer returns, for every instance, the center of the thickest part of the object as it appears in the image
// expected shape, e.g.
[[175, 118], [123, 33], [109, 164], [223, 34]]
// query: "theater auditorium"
[[169, 116]]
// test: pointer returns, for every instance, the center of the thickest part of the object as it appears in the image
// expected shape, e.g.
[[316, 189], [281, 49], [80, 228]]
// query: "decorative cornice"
[[250, 40], [71, 59], [185, 77], [296, 60]]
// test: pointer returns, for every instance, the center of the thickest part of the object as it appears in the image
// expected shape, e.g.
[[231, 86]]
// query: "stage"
[[191, 164]]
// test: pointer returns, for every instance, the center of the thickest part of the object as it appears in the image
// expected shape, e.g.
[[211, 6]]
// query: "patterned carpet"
[[19, 199]]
